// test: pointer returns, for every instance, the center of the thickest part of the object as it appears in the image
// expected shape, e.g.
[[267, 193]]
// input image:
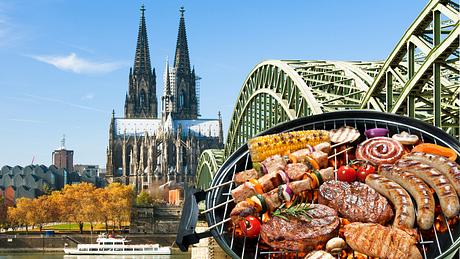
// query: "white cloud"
[[78, 65], [88, 96]]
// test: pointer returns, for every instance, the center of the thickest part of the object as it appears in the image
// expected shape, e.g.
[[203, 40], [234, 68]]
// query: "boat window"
[[107, 249], [118, 243], [137, 249], [156, 248], [128, 249], [83, 249], [118, 249], [148, 249], [108, 243], [93, 249]]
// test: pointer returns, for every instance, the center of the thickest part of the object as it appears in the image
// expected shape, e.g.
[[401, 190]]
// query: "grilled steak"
[[355, 201], [300, 233], [379, 241]]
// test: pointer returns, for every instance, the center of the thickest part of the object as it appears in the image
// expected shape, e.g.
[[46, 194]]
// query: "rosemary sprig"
[[296, 210]]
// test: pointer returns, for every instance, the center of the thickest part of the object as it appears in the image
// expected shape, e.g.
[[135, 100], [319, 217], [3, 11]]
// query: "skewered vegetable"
[[283, 143]]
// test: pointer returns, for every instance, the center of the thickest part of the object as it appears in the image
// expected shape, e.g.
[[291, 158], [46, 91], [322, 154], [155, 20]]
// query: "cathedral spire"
[[182, 60], [142, 58], [168, 81], [141, 100]]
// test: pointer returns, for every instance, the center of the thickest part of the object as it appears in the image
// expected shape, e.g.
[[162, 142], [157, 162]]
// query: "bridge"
[[419, 79]]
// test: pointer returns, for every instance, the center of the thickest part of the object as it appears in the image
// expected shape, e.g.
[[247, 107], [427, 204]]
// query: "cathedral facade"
[[146, 149]]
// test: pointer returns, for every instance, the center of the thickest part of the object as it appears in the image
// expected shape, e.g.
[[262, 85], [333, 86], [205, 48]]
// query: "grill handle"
[[186, 234]]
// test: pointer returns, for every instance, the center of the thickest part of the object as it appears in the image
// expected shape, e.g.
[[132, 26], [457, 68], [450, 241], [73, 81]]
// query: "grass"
[[74, 226], [71, 227]]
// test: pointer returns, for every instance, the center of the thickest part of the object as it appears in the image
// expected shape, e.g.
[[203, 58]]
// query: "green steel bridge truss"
[[420, 79]]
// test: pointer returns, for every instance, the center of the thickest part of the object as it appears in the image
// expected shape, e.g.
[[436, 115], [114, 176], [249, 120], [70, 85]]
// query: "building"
[[34, 180], [145, 148], [63, 158], [91, 170]]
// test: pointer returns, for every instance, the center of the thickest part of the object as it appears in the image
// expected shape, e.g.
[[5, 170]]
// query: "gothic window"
[[181, 99], [142, 98]]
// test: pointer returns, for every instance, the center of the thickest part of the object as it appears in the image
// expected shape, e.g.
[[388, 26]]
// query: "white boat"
[[109, 245]]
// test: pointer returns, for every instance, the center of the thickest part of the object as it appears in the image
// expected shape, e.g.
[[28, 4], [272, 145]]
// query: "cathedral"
[[146, 148]]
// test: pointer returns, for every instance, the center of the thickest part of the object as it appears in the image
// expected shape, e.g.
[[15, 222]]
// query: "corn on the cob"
[[283, 143]]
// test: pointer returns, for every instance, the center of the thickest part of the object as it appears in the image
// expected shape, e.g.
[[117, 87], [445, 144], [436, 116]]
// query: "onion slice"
[[376, 132]]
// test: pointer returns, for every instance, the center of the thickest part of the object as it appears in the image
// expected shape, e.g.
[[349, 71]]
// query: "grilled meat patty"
[[300, 233], [355, 201], [379, 241]]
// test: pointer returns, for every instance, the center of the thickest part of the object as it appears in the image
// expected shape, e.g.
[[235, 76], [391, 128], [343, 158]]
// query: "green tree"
[[144, 199]]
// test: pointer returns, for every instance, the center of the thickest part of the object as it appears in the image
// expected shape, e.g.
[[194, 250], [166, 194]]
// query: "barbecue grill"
[[218, 198]]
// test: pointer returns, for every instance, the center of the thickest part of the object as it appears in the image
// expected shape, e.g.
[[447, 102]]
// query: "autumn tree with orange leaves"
[[77, 203]]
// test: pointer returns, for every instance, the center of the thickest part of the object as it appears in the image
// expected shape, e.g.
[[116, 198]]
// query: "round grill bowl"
[[438, 246]]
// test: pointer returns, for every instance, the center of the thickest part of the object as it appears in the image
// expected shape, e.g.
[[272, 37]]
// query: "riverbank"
[[56, 243]]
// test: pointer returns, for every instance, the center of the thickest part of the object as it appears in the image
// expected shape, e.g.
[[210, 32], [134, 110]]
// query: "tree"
[[22, 214], [102, 196], [76, 198], [120, 202], [144, 199]]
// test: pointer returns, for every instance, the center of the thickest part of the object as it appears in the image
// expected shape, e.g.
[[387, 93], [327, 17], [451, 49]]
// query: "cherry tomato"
[[346, 173], [250, 226], [364, 171]]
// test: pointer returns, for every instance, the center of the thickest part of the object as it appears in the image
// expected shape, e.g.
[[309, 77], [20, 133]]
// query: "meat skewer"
[[272, 180], [255, 173], [273, 199]]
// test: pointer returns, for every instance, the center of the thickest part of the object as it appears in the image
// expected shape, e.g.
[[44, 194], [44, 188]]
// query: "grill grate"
[[218, 199]]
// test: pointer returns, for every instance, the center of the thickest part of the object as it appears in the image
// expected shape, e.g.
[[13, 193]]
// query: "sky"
[[64, 65]]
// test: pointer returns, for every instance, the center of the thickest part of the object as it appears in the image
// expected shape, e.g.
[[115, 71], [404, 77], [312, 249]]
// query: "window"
[[137, 249], [83, 249], [142, 98], [93, 249], [108, 243], [148, 249], [128, 249], [107, 249], [118, 243], [181, 99]]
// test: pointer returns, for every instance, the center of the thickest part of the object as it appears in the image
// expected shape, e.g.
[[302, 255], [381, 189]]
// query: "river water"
[[61, 256]]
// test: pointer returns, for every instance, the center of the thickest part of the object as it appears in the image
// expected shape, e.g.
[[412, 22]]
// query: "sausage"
[[447, 196], [380, 150], [447, 167], [417, 188], [405, 213]]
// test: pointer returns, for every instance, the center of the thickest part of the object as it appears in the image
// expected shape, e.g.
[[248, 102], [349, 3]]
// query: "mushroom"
[[335, 245], [405, 138]]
